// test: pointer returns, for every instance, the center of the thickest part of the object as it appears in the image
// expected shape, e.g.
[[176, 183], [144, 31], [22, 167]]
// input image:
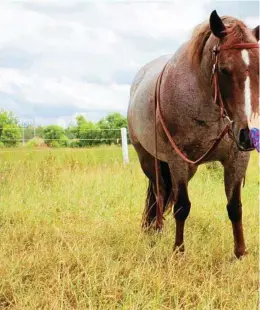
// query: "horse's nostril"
[[244, 138], [244, 135]]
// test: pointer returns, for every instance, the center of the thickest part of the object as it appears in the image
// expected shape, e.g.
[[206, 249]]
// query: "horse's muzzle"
[[242, 138]]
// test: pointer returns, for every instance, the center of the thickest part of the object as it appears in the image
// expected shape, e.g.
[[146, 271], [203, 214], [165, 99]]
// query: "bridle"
[[223, 114], [215, 79]]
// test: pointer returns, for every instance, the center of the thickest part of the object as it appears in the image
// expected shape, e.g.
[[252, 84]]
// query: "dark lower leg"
[[234, 208], [181, 212], [179, 244], [159, 213], [239, 243]]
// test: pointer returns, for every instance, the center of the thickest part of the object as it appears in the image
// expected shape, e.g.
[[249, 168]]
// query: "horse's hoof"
[[146, 227], [179, 248], [240, 253], [152, 228]]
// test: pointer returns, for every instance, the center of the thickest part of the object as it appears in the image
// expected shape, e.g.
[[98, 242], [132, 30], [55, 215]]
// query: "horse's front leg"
[[181, 212], [181, 173], [233, 181]]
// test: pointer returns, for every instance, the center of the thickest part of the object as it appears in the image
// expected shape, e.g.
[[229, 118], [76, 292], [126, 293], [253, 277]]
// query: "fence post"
[[124, 145]]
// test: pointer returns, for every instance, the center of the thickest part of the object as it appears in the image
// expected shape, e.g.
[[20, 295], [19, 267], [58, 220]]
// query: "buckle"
[[214, 69], [215, 51]]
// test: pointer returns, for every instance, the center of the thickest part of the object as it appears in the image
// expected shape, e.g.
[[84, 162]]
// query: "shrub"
[[54, 136], [11, 135], [36, 142]]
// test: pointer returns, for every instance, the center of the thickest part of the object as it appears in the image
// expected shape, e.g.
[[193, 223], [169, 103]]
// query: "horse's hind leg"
[[234, 173], [147, 163]]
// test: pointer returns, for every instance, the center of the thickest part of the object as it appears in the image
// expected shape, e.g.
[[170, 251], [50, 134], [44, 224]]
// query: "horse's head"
[[237, 72]]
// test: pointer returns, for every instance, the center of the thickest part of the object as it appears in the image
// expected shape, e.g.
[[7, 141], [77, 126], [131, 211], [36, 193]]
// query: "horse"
[[190, 108]]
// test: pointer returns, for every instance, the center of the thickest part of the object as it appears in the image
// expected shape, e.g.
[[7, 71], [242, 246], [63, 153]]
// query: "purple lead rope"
[[254, 136]]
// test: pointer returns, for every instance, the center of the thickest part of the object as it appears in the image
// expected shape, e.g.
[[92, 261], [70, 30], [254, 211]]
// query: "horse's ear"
[[216, 25], [256, 32]]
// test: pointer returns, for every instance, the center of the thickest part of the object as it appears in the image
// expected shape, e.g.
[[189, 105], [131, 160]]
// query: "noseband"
[[217, 97]]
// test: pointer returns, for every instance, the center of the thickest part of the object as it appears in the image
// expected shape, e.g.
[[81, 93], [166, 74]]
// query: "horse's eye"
[[225, 71]]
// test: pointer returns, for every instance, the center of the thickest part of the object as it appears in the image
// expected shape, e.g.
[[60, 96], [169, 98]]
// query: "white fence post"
[[124, 145]]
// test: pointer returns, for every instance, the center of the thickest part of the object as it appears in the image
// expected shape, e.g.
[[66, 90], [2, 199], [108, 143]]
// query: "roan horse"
[[196, 102]]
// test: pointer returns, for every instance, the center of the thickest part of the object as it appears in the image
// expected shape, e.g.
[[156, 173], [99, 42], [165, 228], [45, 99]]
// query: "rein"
[[217, 97]]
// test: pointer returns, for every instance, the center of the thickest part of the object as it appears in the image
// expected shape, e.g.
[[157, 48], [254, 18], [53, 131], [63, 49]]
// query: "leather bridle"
[[217, 98], [216, 50]]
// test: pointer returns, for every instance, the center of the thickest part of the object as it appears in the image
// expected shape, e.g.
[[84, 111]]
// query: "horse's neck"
[[189, 88]]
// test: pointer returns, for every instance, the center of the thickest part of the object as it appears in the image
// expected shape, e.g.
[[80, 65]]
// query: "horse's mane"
[[202, 33]]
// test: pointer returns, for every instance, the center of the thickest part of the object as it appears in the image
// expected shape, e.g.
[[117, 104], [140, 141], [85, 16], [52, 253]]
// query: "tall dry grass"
[[70, 237]]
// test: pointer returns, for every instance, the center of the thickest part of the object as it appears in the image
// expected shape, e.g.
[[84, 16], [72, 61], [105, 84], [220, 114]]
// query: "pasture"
[[70, 237]]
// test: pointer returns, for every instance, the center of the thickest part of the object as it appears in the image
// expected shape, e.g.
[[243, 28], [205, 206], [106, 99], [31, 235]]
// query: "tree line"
[[81, 134]]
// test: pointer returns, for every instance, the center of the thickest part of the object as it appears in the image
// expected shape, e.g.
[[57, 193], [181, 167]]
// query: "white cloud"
[[83, 54], [252, 21]]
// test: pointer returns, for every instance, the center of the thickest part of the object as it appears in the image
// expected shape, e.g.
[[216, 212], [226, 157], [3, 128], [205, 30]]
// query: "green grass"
[[70, 237]]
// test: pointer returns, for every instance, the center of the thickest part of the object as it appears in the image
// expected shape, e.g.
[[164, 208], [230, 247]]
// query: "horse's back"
[[148, 72]]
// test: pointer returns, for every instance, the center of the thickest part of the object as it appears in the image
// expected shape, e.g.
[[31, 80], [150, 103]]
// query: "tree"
[[71, 131], [39, 131], [54, 136], [83, 133], [110, 127], [116, 120], [11, 136], [10, 132], [28, 133], [87, 132]]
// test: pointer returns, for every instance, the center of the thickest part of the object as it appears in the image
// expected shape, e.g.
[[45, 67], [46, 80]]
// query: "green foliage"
[[109, 128], [54, 136], [10, 132], [71, 132], [28, 133], [87, 132], [106, 131], [7, 118], [11, 135], [64, 140], [74, 143], [113, 121], [39, 131], [82, 134], [35, 142]]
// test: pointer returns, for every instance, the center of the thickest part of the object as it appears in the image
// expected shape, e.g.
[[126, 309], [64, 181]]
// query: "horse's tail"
[[168, 197], [150, 211]]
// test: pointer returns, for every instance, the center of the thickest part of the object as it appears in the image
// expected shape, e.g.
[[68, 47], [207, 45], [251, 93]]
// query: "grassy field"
[[70, 237]]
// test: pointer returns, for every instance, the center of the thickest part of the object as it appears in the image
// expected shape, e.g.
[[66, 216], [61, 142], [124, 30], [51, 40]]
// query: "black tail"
[[149, 213], [166, 175]]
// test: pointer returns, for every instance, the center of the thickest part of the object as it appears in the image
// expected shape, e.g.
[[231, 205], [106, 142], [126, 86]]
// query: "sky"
[[59, 58]]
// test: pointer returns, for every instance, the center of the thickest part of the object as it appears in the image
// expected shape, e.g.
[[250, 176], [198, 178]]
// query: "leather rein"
[[217, 98]]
